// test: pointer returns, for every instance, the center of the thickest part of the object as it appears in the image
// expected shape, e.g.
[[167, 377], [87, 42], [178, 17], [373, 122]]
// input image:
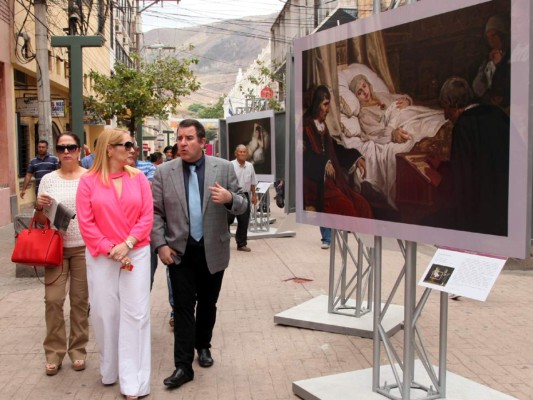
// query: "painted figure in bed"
[[390, 124], [387, 117], [325, 187]]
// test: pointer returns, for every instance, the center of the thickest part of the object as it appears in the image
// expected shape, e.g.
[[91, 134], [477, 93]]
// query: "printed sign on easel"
[[462, 273]]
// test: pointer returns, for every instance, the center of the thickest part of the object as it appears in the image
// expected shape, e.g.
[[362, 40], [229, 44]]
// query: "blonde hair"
[[100, 165]]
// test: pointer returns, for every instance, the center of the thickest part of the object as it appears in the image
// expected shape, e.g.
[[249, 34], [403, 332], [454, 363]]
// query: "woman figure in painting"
[[258, 145], [62, 185], [325, 188], [390, 124], [378, 110], [115, 210]]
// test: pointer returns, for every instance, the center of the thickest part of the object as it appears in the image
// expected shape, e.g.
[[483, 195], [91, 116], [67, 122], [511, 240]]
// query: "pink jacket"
[[106, 220]]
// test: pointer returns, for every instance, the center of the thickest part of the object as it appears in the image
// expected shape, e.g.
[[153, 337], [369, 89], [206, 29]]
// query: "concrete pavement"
[[489, 342]]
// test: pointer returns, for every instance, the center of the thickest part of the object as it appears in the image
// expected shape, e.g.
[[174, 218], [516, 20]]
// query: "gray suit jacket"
[[171, 215]]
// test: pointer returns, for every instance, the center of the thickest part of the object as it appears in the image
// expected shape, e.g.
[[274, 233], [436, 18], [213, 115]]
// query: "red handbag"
[[38, 246]]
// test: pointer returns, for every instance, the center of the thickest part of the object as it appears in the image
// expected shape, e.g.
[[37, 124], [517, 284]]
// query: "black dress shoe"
[[204, 358], [178, 378]]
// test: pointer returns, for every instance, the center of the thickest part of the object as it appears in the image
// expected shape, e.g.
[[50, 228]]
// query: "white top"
[[64, 191], [245, 175]]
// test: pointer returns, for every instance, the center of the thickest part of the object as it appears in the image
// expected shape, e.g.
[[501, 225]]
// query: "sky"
[[169, 14]]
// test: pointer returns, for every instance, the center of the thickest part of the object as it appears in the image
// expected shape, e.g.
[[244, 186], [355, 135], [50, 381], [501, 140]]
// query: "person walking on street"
[[326, 237], [40, 165], [192, 196], [88, 160], [61, 185], [115, 210], [246, 176]]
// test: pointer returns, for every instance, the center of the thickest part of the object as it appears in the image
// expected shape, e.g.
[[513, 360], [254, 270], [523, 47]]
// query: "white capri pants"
[[120, 315]]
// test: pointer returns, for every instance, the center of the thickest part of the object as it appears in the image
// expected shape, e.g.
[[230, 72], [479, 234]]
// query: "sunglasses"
[[60, 148], [127, 145]]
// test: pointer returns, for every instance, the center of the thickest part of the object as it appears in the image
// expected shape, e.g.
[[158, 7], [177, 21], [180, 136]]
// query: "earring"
[[109, 155]]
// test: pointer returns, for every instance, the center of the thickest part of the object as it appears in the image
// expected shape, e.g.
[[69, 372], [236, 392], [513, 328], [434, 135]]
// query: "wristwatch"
[[129, 243]]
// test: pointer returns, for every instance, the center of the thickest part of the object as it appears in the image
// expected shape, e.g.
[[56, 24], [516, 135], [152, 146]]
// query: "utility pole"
[[43, 76]]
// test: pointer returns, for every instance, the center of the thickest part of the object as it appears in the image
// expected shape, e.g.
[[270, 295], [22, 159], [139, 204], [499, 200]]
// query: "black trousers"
[[241, 234], [193, 287]]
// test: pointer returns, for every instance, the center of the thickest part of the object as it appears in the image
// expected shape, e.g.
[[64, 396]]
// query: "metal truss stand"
[[428, 382], [350, 294], [405, 386], [343, 286], [260, 214], [259, 226]]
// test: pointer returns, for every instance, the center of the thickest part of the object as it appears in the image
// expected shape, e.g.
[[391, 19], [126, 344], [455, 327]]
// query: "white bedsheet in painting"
[[419, 121]]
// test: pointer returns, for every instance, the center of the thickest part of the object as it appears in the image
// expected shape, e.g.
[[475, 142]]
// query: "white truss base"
[[358, 384], [313, 314]]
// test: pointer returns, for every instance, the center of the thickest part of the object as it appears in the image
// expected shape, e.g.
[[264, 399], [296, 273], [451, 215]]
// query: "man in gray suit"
[[192, 196]]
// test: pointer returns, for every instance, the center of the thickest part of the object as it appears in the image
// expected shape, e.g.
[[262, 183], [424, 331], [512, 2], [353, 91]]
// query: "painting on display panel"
[[406, 120], [256, 132]]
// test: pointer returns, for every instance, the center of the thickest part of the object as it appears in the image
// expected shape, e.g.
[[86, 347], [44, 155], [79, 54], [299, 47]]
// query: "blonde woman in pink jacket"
[[115, 212]]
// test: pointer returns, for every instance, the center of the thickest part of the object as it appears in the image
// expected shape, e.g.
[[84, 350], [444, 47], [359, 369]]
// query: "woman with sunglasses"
[[62, 185], [115, 211]]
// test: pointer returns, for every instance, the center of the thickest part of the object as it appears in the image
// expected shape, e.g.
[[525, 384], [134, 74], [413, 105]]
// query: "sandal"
[[52, 369], [78, 365], [131, 397]]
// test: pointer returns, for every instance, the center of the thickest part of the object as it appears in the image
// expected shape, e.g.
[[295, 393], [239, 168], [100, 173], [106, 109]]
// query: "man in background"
[[168, 153], [87, 161], [156, 158], [479, 161], [246, 176], [40, 165], [146, 167]]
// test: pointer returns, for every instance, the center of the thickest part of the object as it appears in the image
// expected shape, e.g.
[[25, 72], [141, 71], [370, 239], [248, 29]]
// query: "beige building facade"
[[19, 84]]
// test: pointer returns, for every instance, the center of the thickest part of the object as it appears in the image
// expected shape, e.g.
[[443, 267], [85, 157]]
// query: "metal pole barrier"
[[443, 342], [344, 267], [410, 304], [376, 256], [331, 298], [359, 273]]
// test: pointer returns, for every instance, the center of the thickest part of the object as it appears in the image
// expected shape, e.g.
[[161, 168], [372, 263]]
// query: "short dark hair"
[[200, 130], [43, 141], [169, 147], [156, 156], [174, 150]]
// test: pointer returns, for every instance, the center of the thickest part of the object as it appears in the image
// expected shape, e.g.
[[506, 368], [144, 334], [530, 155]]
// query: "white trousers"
[[120, 315]]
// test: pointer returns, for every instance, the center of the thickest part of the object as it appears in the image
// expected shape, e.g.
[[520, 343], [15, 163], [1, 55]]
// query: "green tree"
[[211, 134], [195, 108], [154, 89], [217, 111], [265, 78]]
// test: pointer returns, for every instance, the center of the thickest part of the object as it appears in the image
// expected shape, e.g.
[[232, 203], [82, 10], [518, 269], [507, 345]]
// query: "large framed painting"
[[256, 132], [414, 124]]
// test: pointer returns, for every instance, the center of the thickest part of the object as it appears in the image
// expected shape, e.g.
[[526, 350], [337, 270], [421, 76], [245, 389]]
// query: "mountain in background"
[[222, 48]]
